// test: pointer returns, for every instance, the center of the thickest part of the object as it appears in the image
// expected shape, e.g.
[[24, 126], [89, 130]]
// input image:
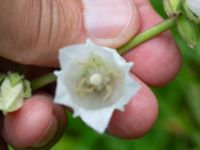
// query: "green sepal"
[[172, 7], [188, 30], [2, 77], [27, 89], [15, 78]]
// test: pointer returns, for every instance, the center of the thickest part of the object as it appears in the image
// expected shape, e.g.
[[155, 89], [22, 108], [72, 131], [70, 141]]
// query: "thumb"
[[37, 29], [110, 22]]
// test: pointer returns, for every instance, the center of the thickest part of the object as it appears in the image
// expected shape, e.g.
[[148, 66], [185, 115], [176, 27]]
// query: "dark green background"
[[178, 124]]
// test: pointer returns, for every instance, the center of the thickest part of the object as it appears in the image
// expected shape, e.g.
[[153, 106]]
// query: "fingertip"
[[23, 127], [30, 125], [138, 118], [158, 60]]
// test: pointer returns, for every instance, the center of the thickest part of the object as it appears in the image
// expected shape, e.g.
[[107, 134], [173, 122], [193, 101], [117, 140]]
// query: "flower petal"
[[131, 87], [98, 120]]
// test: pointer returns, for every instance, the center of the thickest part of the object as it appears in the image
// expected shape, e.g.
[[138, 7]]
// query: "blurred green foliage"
[[178, 124]]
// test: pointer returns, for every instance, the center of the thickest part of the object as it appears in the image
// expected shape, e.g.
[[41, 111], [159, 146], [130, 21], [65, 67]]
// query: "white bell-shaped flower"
[[94, 81]]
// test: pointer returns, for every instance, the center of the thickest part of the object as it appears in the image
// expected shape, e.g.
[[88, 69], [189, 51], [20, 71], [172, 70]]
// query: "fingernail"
[[48, 135], [107, 19]]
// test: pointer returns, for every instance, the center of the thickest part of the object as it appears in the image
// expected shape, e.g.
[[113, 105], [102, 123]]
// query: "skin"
[[156, 63]]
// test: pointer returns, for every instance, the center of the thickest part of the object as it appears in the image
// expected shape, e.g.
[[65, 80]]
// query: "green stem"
[[148, 34], [43, 81], [137, 40]]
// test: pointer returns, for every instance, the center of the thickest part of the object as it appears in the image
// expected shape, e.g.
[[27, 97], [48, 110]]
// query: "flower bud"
[[188, 30], [172, 7], [192, 10], [13, 90]]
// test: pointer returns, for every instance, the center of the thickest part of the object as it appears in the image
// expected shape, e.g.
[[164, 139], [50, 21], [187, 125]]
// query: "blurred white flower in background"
[[94, 81], [194, 6]]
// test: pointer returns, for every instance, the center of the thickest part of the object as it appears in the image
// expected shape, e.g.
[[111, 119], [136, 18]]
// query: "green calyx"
[[16, 78], [172, 7], [27, 89], [188, 30], [2, 77]]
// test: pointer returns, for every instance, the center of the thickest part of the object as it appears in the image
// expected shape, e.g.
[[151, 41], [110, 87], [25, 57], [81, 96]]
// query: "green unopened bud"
[[188, 30], [13, 90], [192, 10], [172, 7]]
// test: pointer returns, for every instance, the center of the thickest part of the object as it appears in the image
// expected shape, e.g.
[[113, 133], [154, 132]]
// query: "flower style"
[[94, 81], [13, 90]]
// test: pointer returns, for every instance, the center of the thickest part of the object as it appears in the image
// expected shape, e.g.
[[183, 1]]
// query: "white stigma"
[[95, 79]]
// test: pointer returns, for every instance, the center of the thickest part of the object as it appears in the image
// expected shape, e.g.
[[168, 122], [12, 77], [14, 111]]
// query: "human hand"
[[33, 31]]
